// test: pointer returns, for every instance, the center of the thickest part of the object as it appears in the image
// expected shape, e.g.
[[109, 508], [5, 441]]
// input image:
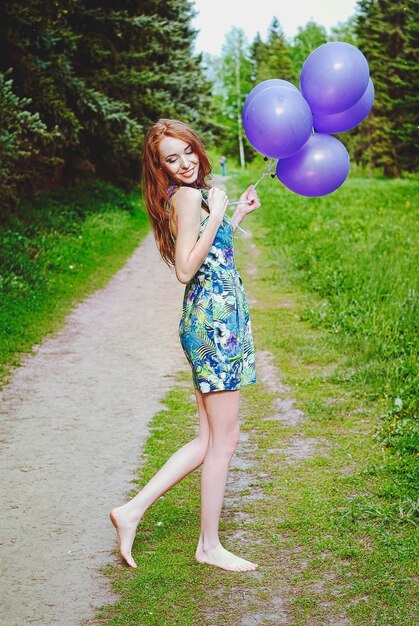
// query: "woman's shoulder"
[[183, 192]]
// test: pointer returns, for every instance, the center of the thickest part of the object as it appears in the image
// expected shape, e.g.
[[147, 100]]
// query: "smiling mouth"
[[189, 172]]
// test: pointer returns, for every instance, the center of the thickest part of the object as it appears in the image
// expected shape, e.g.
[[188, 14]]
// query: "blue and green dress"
[[215, 329]]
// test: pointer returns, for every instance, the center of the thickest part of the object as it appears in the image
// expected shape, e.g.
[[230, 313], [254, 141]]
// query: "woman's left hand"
[[249, 200]]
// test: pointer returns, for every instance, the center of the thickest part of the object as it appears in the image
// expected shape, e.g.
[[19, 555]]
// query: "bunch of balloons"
[[292, 126]]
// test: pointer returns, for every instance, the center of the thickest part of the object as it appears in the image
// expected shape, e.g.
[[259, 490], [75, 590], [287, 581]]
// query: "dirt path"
[[74, 418]]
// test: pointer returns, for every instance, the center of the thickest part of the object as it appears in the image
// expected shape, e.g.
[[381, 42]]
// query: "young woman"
[[194, 234]]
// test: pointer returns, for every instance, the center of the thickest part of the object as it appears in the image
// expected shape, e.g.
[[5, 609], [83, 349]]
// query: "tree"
[[236, 79], [97, 74], [345, 31], [272, 59], [388, 36], [308, 38], [24, 139], [143, 54]]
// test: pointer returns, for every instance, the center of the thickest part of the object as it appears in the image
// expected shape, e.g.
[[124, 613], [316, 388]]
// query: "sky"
[[216, 17]]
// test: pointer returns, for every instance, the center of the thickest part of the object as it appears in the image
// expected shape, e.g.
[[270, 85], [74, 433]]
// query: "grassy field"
[[357, 251], [56, 250], [326, 506]]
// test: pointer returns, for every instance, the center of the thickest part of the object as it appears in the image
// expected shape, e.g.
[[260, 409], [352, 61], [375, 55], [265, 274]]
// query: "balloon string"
[[239, 227], [269, 167]]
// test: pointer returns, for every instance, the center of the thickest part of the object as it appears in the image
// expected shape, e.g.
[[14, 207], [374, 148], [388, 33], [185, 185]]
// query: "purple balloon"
[[341, 122], [334, 77], [278, 122], [272, 82], [320, 167]]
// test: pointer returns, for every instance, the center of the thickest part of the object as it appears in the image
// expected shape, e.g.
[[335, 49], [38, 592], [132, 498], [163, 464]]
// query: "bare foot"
[[221, 557], [125, 530]]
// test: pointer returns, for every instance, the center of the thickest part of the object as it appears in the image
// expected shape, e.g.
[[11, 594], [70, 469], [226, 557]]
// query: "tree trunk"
[[239, 116]]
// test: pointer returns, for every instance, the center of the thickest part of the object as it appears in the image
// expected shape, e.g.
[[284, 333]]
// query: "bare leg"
[[222, 409], [125, 518]]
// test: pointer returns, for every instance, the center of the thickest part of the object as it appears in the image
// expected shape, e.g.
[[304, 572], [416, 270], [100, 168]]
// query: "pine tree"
[[34, 48], [307, 39], [387, 35], [142, 54], [24, 141], [39, 44], [258, 54], [406, 68], [273, 58], [344, 31], [98, 74]]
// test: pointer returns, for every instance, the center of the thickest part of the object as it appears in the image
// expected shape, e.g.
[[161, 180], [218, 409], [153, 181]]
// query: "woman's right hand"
[[217, 202]]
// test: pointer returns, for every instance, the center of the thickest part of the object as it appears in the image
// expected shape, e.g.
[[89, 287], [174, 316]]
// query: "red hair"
[[156, 181]]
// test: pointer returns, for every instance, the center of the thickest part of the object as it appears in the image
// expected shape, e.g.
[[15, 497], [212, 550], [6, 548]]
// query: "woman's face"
[[179, 160]]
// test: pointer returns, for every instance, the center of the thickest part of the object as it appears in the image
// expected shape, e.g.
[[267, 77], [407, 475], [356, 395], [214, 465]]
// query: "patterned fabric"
[[215, 329]]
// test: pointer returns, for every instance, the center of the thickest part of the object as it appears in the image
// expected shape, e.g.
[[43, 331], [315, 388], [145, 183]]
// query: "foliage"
[[307, 39], [91, 78], [387, 33], [236, 79], [24, 139], [345, 31], [272, 58]]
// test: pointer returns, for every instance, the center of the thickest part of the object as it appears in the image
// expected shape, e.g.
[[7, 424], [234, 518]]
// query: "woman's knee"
[[226, 441]]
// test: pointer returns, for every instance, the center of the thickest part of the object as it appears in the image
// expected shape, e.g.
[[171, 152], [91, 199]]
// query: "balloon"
[[278, 122], [341, 122], [320, 167], [272, 82], [334, 77]]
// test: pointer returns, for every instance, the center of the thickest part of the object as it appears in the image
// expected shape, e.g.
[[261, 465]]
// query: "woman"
[[194, 235]]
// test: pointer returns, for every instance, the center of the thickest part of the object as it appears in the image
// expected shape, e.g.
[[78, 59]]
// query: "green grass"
[[54, 251], [356, 250], [335, 533]]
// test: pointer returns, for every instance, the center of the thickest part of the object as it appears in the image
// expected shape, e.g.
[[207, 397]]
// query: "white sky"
[[216, 17]]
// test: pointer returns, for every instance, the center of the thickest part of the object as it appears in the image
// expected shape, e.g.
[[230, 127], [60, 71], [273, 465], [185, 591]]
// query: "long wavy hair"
[[156, 181]]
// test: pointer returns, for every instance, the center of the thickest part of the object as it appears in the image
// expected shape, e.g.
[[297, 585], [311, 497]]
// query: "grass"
[[335, 532], [357, 251], [54, 251]]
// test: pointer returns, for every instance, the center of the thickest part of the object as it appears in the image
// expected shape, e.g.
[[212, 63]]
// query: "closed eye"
[[188, 150]]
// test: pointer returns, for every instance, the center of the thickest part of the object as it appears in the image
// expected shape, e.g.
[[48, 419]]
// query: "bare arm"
[[237, 217], [249, 202], [190, 251]]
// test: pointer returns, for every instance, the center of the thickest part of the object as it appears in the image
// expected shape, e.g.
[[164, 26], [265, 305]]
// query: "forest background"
[[81, 81]]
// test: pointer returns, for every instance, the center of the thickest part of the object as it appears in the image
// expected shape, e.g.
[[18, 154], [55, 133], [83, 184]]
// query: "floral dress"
[[215, 329]]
